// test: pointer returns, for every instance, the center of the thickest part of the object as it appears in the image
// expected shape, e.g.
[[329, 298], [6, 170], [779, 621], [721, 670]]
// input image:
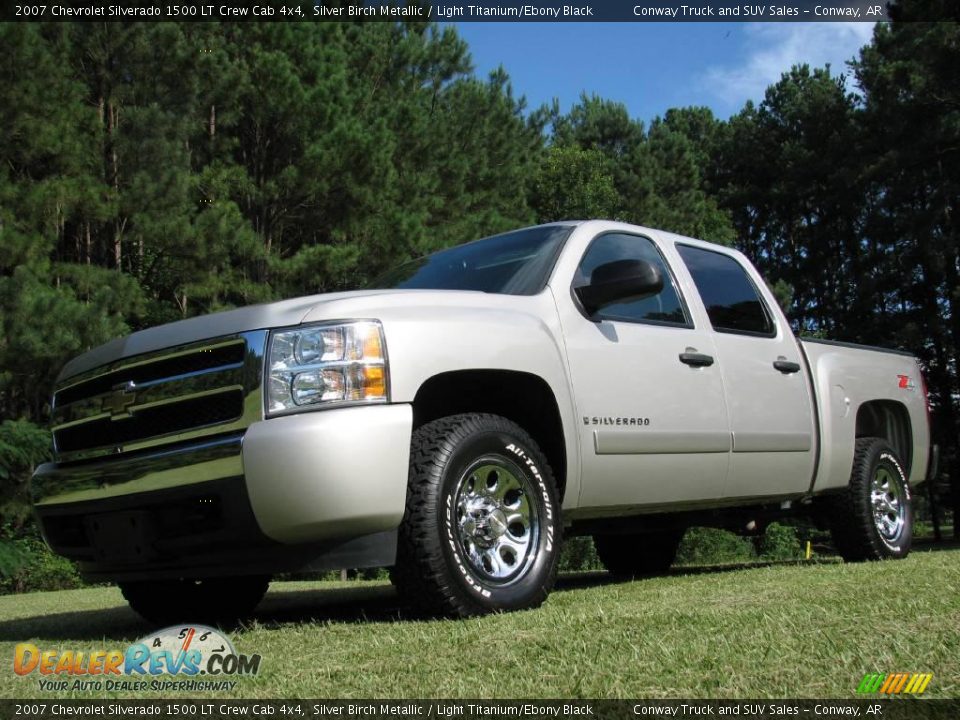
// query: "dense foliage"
[[150, 172]]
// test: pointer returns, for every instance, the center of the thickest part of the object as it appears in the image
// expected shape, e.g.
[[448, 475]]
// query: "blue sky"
[[651, 67]]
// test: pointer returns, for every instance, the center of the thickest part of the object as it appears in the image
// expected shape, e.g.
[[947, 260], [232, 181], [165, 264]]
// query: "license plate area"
[[122, 537]]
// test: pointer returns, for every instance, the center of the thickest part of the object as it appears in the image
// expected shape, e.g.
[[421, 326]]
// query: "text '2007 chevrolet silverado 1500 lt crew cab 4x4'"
[[460, 417]]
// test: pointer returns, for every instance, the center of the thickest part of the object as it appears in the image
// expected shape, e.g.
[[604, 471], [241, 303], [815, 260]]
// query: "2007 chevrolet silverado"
[[453, 421]]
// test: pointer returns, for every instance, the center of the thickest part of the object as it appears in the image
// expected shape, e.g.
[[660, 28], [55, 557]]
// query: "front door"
[[649, 396]]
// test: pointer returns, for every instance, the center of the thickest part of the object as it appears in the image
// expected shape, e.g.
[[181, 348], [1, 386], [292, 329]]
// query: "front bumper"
[[318, 490]]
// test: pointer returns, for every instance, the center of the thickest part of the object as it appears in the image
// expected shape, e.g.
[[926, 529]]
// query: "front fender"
[[429, 333]]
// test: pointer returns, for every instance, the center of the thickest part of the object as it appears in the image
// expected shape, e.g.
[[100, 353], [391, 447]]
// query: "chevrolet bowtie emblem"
[[116, 403]]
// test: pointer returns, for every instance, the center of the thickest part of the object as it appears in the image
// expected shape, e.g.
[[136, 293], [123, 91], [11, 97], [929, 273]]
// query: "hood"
[[204, 327]]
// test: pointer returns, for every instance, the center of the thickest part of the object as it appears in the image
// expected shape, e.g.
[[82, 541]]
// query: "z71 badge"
[[905, 382]]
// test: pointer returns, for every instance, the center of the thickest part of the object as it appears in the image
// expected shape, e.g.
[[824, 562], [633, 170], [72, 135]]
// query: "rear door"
[[649, 396], [765, 379]]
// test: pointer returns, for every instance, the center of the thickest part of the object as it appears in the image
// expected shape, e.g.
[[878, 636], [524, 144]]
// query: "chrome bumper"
[[58, 483], [933, 464]]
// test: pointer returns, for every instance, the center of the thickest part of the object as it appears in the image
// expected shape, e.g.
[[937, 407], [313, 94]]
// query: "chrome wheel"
[[888, 499], [497, 519], [873, 518]]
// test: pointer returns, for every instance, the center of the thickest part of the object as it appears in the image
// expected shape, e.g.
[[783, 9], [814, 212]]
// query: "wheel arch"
[[524, 398], [890, 420]]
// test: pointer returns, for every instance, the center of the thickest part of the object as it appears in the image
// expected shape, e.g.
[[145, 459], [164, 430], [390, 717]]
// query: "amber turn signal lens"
[[374, 381], [372, 348]]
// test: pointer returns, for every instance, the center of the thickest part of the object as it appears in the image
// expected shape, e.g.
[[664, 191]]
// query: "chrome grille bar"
[[169, 396]]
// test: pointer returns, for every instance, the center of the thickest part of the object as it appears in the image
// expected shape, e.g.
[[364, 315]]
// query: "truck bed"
[[860, 391]]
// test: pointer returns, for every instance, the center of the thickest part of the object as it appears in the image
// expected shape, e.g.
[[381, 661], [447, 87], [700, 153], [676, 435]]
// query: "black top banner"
[[471, 11], [289, 709]]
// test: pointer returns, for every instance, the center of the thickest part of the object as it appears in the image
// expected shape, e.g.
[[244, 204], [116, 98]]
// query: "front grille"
[[146, 400], [163, 368], [187, 415]]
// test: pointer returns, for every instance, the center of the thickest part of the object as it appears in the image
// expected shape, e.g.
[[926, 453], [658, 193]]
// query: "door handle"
[[695, 359], [785, 366]]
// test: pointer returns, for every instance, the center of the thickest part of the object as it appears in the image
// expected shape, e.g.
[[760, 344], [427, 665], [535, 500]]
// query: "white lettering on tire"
[[548, 507], [471, 582]]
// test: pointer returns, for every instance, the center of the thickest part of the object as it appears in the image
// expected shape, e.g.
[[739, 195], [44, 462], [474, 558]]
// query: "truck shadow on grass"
[[112, 623], [365, 604], [338, 605]]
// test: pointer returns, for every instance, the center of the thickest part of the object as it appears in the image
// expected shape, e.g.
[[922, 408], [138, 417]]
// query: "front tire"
[[481, 530], [873, 518], [636, 555], [211, 601]]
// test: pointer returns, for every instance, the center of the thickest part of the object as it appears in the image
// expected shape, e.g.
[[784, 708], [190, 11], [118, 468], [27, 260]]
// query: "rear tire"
[[481, 530], [636, 555], [211, 601], [872, 518]]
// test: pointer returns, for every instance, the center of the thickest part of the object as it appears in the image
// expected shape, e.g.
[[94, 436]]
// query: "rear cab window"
[[732, 300]]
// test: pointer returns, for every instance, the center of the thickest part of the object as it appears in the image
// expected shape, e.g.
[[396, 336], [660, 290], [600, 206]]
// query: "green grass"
[[792, 630]]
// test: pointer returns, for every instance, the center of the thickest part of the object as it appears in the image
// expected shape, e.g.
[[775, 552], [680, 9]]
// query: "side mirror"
[[619, 281]]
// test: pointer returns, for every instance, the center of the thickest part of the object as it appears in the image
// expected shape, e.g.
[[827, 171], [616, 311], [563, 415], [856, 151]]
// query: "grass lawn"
[[803, 630]]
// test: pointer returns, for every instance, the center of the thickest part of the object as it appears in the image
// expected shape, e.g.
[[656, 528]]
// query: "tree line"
[[151, 172]]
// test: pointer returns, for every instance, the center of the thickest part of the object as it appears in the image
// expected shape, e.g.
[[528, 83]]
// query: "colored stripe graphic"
[[895, 683]]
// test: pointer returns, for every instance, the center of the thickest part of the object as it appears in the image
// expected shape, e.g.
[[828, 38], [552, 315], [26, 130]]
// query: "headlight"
[[326, 364]]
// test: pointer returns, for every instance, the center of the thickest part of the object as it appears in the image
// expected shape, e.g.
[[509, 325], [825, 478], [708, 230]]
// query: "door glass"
[[663, 308], [731, 298]]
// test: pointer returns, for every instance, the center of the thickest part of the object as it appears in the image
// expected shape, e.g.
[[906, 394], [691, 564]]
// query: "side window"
[[731, 298], [665, 308]]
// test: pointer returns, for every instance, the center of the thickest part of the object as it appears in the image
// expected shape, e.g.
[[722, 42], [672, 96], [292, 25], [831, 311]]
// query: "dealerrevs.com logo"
[[197, 656]]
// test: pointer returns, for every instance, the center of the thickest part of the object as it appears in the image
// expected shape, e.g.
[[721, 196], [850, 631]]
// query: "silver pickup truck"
[[465, 412]]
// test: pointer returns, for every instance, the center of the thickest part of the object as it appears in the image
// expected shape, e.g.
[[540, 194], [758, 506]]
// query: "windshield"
[[515, 263]]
